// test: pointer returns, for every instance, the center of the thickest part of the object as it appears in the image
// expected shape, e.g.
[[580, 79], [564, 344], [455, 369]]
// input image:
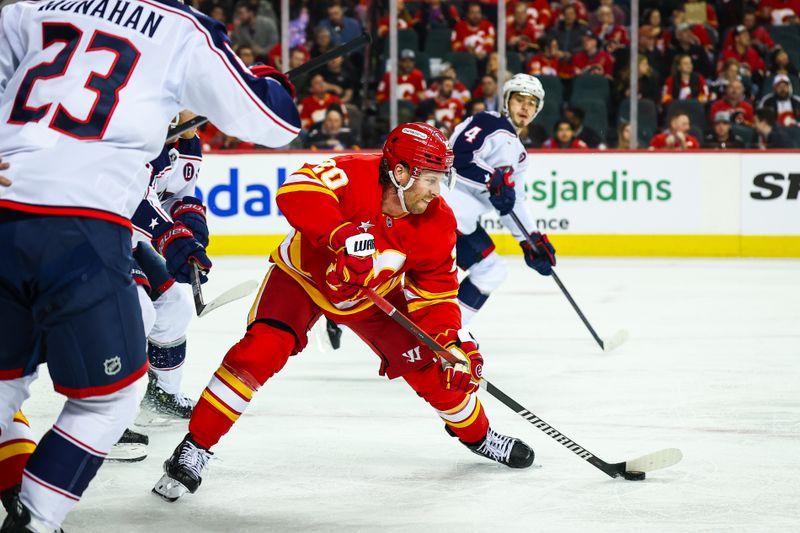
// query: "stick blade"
[[231, 295], [655, 461], [614, 342]]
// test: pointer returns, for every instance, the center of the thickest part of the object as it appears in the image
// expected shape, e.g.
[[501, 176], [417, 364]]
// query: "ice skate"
[[160, 407], [8, 496], [19, 519], [130, 448], [501, 448], [182, 470]]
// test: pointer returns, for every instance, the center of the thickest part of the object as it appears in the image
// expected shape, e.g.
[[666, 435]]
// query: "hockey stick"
[[632, 470], [313, 64], [618, 338], [239, 291]]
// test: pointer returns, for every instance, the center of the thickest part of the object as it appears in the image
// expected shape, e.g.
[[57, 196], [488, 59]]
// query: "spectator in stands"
[[741, 112], [410, 80], [648, 47], [575, 115], [581, 12], [686, 43], [340, 79], [551, 61], [312, 107], [245, 53], [438, 13], [298, 56], [449, 110], [322, 41], [592, 59], [769, 134], [474, 107], [730, 72], [677, 136], [744, 53], [650, 87], [299, 19], [331, 133], [700, 32], [217, 12], [761, 38], [684, 83], [617, 12], [781, 64], [782, 101], [486, 92], [522, 34], [613, 36], [256, 31], [721, 136], [341, 28], [539, 12], [460, 90], [652, 18], [569, 31], [624, 136], [779, 12], [563, 137], [474, 34], [406, 20]]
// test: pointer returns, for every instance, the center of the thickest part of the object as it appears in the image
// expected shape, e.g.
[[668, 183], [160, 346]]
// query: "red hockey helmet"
[[421, 147]]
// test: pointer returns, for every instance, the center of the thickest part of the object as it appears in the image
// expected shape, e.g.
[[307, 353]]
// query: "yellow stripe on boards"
[[582, 245]]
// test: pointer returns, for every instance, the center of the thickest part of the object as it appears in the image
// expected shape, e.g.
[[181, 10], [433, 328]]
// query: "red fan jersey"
[[450, 111], [602, 60], [316, 200], [312, 109], [744, 108], [479, 38], [660, 141], [750, 56], [549, 66], [408, 87]]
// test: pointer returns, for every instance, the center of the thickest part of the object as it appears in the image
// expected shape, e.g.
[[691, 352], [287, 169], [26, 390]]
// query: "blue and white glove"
[[542, 258], [191, 212], [502, 194], [179, 248]]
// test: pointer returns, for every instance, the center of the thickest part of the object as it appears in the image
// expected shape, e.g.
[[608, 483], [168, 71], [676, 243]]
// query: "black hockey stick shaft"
[[313, 64], [612, 470], [197, 290], [561, 286]]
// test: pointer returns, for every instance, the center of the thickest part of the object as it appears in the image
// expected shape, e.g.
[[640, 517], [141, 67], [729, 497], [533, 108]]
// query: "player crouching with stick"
[[359, 221]]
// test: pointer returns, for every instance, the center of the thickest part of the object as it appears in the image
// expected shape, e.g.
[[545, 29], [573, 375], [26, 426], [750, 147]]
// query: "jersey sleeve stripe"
[[260, 93], [301, 187]]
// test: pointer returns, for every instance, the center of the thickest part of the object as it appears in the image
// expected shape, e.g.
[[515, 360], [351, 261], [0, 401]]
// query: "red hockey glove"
[[353, 269], [263, 71], [467, 373], [543, 258]]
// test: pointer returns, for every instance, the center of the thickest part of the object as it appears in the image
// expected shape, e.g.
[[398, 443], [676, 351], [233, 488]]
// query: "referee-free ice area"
[[712, 367]]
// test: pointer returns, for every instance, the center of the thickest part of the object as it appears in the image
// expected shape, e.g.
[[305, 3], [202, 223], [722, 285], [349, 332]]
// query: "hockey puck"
[[634, 475]]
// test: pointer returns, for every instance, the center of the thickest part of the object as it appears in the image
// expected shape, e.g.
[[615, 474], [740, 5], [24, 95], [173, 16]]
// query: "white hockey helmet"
[[523, 84]]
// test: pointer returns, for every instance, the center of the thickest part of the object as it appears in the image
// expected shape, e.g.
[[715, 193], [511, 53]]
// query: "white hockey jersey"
[[88, 88], [481, 144]]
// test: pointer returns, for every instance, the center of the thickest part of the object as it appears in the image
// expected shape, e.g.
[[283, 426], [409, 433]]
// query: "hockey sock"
[[16, 446], [467, 420], [248, 364], [70, 454], [166, 362], [470, 299]]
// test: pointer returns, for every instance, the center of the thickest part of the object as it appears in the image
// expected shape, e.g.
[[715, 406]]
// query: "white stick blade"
[[231, 295], [655, 461], [614, 342]]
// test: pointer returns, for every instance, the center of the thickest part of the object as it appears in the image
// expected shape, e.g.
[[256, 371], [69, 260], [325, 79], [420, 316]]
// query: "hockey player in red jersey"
[[358, 221]]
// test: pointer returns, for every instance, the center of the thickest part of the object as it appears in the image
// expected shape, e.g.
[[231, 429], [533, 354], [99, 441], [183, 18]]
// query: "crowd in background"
[[714, 74]]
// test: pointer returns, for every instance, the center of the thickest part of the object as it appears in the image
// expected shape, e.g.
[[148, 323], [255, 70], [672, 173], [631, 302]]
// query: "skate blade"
[[149, 418], [127, 453], [169, 489]]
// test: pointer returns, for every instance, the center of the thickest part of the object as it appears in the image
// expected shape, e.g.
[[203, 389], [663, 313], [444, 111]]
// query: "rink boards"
[[591, 203]]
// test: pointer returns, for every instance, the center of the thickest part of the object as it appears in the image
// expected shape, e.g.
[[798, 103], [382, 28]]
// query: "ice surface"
[[712, 367]]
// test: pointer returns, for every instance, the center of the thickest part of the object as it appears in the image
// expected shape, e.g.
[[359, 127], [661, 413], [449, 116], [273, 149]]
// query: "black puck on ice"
[[634, 475]]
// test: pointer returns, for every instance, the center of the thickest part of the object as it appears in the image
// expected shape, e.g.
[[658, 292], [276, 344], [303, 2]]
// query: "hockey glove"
[[353, 269], [179, 248], [543, 258], [502, 194], [192, 213], [467, 373], [264, 71]]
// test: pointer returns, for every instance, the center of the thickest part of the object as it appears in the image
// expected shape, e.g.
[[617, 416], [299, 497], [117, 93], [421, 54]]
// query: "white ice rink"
[[712, 367]]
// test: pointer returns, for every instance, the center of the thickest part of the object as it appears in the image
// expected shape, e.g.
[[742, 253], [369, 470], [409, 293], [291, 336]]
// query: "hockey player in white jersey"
[[490, 165], [87, 90]]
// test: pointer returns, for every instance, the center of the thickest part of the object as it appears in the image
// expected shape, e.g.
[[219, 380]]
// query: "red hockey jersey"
[[418, 250]]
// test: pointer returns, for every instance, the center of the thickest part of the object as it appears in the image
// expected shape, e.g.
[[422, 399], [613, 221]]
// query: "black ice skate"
[[334, 333], [182, 470], [8, 496], [19, 519], [505, 450], [130, 448], [161, 404]]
